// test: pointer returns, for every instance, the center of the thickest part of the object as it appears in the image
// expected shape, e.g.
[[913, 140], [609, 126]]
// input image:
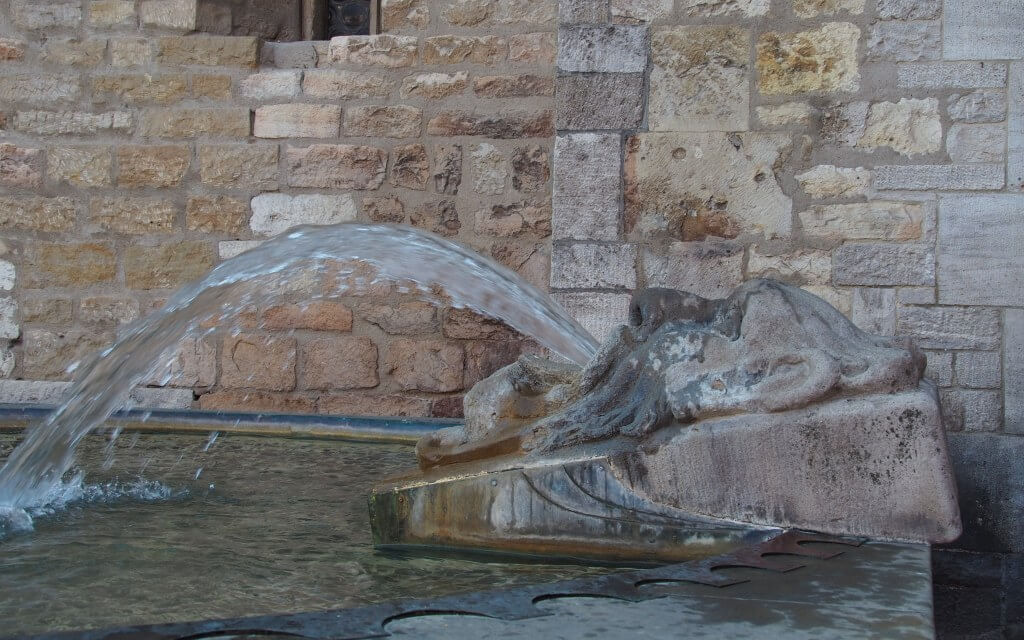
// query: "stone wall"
[[136, 154], [871, 151]]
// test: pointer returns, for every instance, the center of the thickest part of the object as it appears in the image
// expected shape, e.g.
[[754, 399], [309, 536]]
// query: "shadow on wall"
[[288, 20]]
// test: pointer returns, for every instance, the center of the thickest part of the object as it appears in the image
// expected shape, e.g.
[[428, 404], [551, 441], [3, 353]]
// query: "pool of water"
[[227, 526]]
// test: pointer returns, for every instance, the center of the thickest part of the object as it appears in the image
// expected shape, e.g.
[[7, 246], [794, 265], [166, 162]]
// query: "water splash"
[[436, 269]]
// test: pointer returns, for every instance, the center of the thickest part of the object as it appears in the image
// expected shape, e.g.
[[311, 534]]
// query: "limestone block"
[[133, 215], [940, 368], [350, 404], [410, 167], [8, 276], [20, 166], [582, 11], [979, 256], [1013, 364], [239, 166], [166, 266], [447, 168], [9, 319], [274, 213], [910, 127], [983, 105], [511, 125], [41, 89], [587, 183], [748, 8], [806, 266], [972, 410], [441, 217], [271, 84], [950, 327], [107, 310], [404, 318], [194, 364], [337, 84], [532, 49], [830, 181], [513, 86], [36, 213], [530, 169], [814, 8], [695, 185], [381, 51], [46, 14], [216, 214], [46, 355], [875, 220], [608, 49], [797, 113], [169, 14], [335, 166], [393, 121], [909, 9], [1015, 129], [404, 14], [258, 362], [976, 142], [112, 13], [189, 122], [982, 30], [74, 265], [598, 313], [593, 266], [599, 101], [903, 41], [513, 220], [466, 324], [869, 264], [425, 365], [48, 123], [216, 51], [384, 208], [130, 52], [434, 85], [979, 369], [950, 75], [84, 52], [823, 59], [231, 248], [488, 50], [320, 357], [947, 177], [297, 120], [490, 170], [709, 269], [152, 166], [640, 11], [698, 79], [874, 310], [163, 88]]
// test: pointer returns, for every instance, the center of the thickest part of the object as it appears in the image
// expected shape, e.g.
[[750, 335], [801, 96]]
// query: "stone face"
[[335, 166], [982, 30], [35, 213], [216, 214], [530, 169], [950, 75], [983, 105], [607, 49], [488, 50], [382, 51], [133, 215], [274, 213], [297, 121], [71, 122], [158, 166], [166, 266], [829, 181], [425, 365], [709, 269], [877, 220], [195, 122], [979, 258], [271, 84], [258, 362], [331, 84], [823, 59], [1013, 364], [490, 170], [695, 185], [399, 121], [239, 166], [593, 266], [699, 79], [20, 166], [68, 265], [46, 355], [976, 142], [599, 101], [904, 41], [587, 184], [865, 264], [948, 177], [950, 327], [410, 167], [217, 51], [434, 85], [320, 359], [143, 88], [813, 8], [909, 127]]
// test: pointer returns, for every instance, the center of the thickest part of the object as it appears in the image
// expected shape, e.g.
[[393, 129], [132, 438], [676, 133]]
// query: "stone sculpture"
[[701, 420]]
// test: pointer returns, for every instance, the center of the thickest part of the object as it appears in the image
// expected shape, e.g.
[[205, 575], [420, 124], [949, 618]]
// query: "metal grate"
[[351, 17]]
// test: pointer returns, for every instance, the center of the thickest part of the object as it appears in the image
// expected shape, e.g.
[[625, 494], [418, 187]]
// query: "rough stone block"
[[979, 249], [216, 214], [231, 248], [107, 310], [466, 324], [807, 266], [982, 30], [251, 400], [437, 216], [979, 369], [814, 8], [193, 365], [876, 220], [46, 355], [335, 166], [490, 169], [582, 11], [195, 122], [20, 166], [976, 142], [699, 79], [1013, 365], [513, 220], [214, 51], [381, 51], [320, 358], [169, 14], [69, 264], [530, 169], [8, 275], [49, 310], [42, 89], [404, 318], [829, 181], [587, 184], [133, 215], [512, 125], [513, 86], [788, 113], [945, 177], [297, 121], [710, 269], [447, 168], [532, 49], [410, 167], [152, 166], [258, 362], [214, 86], [909, 127], [909, 9], [694, 185], [608, 49], [425, 365], [74, 52], [972, 410], [711, 8], [130, 52], [35, 213], [598, 313], [640, 11], [112, 13], [331, 84], [433, 85], [395, 121], [950, 327], [940, 367], [487, 50], [11, 50], [864, 264], [823, 59], [274, 213], [166, 266], [318, 315], [239, 166], [983, 105], [271, 84], [49, 123], [593, 266], [133, 88], [950, 75], [904, 41], [599, 101], [46, 14], [9, 319], [874, 310]]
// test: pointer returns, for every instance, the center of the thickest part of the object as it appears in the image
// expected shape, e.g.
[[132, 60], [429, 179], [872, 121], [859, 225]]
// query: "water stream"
[[438, 270]]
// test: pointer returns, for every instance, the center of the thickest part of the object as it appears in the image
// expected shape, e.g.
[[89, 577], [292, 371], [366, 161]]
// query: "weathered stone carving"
[[767, 407]]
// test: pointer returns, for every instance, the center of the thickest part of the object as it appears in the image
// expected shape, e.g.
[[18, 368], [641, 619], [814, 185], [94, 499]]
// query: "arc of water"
[[397, 252]]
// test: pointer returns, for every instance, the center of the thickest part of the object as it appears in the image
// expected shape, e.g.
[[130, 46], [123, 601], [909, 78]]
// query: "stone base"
[[873, 466]]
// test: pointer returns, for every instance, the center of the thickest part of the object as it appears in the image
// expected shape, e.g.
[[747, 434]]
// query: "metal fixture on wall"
[[351, 17]]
